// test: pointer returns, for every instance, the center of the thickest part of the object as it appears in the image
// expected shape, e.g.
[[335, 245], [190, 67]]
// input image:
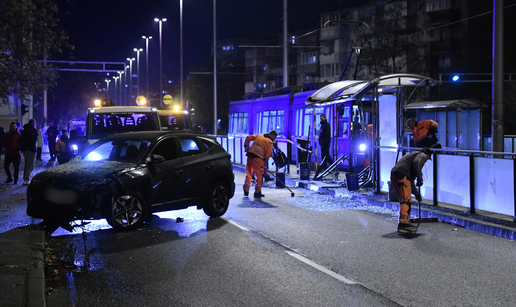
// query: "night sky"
[[108, 30]]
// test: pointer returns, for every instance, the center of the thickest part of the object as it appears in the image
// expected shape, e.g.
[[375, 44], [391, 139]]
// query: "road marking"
[[302, 259], [321, 268], [236, 224]]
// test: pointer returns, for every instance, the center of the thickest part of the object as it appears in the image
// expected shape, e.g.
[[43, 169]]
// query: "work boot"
[[258, 195], [246, 193], [268, 178], [9, 180], [407, 228]]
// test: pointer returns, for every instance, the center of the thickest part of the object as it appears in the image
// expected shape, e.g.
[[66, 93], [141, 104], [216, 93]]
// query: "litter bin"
[[302, 155], [304, 171], [352, 181]]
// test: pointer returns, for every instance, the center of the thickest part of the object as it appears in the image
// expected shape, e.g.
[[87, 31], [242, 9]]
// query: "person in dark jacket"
[[11, 144], [64, 150], [52, 133], [29, 137], [403, 175], [325, 141], [2, 134]]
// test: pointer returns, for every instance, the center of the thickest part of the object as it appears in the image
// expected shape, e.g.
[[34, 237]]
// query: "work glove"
[[419, 198], [419, 183], [246, 148]]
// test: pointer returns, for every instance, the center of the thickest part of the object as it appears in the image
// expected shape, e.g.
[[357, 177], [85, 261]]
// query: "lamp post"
[[138, 69], [120, 73], [215, 67], [126, 75], [116, 79], [107, 87], [147, 62], [181, 47], [96, 87], [160, 60], [130, 78]]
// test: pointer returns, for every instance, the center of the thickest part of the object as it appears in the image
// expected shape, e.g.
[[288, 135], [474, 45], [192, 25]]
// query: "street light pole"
[[126, 75], [215, 67], [160, 60], [147, 63], [107, 87], [183, 105], [120, 73], [130, 78], [138, 69], [116, 79]]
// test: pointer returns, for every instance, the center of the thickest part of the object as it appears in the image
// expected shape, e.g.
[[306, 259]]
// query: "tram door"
[[351, 140]]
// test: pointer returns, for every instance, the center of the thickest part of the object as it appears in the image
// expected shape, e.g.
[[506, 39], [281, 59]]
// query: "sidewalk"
[[483, 221], [22, 248]]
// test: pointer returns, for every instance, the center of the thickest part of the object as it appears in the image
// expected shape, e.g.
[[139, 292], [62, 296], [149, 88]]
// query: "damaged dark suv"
[[126, 177]]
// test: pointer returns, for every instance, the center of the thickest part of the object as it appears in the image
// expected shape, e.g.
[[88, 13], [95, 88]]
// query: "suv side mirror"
[[155, 159]]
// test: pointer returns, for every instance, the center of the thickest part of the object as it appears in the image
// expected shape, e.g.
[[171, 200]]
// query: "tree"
[[388, 44], [29, 32]]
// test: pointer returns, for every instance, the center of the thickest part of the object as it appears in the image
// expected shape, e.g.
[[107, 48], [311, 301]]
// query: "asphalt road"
[[307, 250]]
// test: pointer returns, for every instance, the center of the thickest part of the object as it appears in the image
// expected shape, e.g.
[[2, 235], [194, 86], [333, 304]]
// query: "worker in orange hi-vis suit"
[[423, 133], [257, 156]]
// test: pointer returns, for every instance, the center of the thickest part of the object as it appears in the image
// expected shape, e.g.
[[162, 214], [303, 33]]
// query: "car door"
[[167, 177], [198, 165]]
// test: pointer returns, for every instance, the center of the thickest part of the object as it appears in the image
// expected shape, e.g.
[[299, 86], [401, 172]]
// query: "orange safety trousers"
[[254, 165], [403, 188]]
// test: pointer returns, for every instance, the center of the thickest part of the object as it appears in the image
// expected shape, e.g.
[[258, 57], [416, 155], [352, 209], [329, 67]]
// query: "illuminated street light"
[[147, 61], [107, 87], [181, 47], [125, 83], [130, 79], [138, 69], [116, 79], [160, 60], [120, 73]]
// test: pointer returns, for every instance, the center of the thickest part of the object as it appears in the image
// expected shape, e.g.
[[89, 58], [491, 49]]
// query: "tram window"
[[270, 120], [238, 122], [344, 128]]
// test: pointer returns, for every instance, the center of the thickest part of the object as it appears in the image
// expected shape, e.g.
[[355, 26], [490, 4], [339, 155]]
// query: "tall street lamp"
[[130, 78], [116, 79], [147, 62], [181, 47], [107, 87], [138, 69], [160, 60], [120, 73], [126, 70], [215, 67]]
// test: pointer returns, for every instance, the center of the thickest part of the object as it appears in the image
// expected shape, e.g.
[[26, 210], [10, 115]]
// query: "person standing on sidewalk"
[[11, 144], [39, 143], [52, 133], [403, 175], [2, 134], [29, 137], [257, 156], [63, 148]]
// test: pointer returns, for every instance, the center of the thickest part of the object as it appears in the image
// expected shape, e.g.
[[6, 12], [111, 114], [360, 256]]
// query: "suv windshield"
[[126, 151], [104, 124]]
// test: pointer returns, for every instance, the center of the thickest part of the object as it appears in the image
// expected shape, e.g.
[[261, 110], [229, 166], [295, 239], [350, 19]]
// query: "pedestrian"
[[11, 144], [52, 133], [29, 137], [39, 142], [257, 156], [325, 141], [63, 148], [424, 133], [356, 129], [403, 175]]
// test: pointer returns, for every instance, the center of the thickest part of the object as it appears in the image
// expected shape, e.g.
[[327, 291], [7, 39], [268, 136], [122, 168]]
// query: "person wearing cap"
[[257, 156], [423, 133], [403, 174]]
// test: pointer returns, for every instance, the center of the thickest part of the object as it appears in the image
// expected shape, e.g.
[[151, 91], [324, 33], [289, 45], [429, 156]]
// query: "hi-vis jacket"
[[262, 145], [422, 129]]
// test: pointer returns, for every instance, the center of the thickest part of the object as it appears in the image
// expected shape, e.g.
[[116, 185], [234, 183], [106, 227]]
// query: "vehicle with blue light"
[[125, 177]]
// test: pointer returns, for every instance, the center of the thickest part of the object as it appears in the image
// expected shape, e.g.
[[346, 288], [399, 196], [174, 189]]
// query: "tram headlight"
[[362, 147]]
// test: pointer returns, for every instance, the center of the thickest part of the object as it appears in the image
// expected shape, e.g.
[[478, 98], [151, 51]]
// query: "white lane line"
[[321, 268], [236, 224]]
